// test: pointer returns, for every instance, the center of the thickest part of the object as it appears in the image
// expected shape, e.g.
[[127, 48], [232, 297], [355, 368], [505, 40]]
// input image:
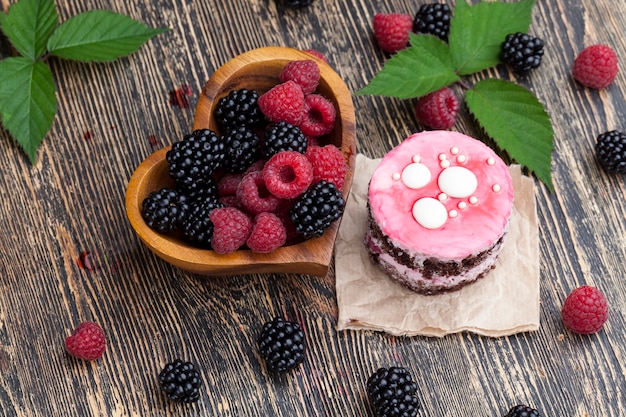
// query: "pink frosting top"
[[442, 193]]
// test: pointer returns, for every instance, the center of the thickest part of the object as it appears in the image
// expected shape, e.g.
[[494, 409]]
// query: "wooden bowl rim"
[[312, 256]]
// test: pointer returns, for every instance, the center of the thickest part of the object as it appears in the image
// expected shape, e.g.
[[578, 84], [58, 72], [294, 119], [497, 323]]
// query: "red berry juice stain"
[[180, 96], [87, 135], [86, 261], [154, 141]]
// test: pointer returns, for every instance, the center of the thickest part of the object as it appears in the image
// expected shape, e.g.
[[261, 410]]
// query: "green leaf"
[[476, 32], [27, 101], [99, 35], [518, 123], [29, 24], [425, 66]]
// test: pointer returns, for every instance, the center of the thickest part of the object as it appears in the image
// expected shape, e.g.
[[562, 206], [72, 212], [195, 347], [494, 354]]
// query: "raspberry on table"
[[87, 341], [180, 380], [315, 210], [391, 31], [522, 411], [163, 210], [288, 174], [243, 148], [268, 233], [393, 392], [283, 136], [439, 109], [319, 116], [522, 52], [433, 19], [231, 228], [239, 107], [283, 103], [596, 66], [281, 344], [328, 164], [304, 72], [611, 151], [585, 310], [253, 194]]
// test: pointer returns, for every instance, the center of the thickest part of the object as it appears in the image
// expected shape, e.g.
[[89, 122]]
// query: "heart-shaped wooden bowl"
[[259, 70]]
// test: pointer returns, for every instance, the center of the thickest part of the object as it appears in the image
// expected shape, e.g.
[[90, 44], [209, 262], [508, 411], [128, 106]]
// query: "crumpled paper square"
[[503, 302]]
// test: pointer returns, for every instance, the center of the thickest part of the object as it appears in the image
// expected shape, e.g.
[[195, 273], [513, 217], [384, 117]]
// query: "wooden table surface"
[[68, 253]]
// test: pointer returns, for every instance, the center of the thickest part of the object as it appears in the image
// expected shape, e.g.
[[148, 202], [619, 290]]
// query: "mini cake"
[[439, 206]]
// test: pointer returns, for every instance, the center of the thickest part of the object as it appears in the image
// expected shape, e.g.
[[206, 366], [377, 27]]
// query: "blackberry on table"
[[193, 160], [181, 381], [196, 226], [283, 136], [281, 344], [314, 211], [522, 411], [296, 4], [242, 148], [393, 392], [164, 210], [239, 107], [611, 151], [434, 19], [522, 52]]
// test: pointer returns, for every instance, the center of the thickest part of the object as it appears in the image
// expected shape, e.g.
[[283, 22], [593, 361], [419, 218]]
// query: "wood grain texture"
[[112, 116]]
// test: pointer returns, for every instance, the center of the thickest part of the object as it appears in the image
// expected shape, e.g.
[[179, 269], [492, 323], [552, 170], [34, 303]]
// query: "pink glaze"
[[478, 206]]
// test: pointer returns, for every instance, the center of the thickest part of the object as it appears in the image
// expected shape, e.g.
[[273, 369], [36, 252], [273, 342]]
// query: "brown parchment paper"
[[503, 302]]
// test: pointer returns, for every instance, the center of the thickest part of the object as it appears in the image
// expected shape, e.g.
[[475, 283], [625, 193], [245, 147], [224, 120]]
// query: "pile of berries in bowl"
[[260, 183]]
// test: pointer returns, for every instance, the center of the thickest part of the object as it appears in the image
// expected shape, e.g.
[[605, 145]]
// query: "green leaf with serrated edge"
[[477, 32], [99, 35], [28, 25], [28, 101], [425, 66], [513, 117]]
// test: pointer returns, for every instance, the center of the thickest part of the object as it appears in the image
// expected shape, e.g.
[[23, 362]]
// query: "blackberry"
[[242, 148], [181, 381], [434, 19], [611, 151], [283, 136], [522, 52], [296, 4], [196, 226], [163, 210], [193, 160], [207, 191], [315, 210], [393, 392], [522, 411], [239, 107], [281, 345]]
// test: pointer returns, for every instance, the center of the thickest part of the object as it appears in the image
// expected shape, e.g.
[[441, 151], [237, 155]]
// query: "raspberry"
[[328, 164], [317, 54], [86, 342], [522, 411], [439, 109], [283, 136], [231, 201], [522, 52], [596, 66], [393, 392], [239, 107], [433, 19], [242, 148], [282, 211], [314, 211], [305, 73], [257, 166], [287, 174], [611, 151], [181, 381], [585, 310], [228, 184], [283, 103], [281, 344], [319, 116], [231, 228], [268, 233], [164, 210], [253, 194], [392, 31]]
